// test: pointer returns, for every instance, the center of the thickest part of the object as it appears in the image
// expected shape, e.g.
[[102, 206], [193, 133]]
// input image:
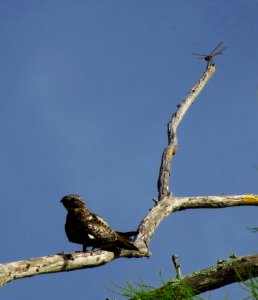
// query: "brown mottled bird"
[[90, 230]]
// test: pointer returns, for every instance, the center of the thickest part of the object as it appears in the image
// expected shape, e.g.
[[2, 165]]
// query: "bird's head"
[[72, 201]]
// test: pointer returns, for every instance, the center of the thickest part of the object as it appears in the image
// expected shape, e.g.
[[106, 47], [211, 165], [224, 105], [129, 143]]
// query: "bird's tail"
[[125, 243], [127, 234]]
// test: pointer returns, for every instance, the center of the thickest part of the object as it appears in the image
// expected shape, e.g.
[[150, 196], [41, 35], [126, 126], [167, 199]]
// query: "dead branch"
[[170, 204], [164, 206], [170, 150], [61, 262], [81, 260], [223, 273], [177, 266]]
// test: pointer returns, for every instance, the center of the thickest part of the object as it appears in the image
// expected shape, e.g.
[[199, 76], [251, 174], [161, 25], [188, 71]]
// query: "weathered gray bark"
[[74, 261], [164, 206], [170, 150], [221, 274], [61, 262]]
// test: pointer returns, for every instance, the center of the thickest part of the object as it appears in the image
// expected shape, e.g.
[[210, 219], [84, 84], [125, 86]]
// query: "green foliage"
[[168, 291], [129, 291], [176, 290], [251, 286]]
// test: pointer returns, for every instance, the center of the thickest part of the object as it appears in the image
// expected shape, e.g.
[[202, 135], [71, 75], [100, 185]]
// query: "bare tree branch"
[[170, 150], [74, 261], [61, 262], [177, 266], [223, 273], [165, 205], [223, 201], [170, 204]]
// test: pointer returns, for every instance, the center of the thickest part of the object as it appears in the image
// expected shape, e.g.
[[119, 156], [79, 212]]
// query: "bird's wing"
[[99, 229], [100, 220]]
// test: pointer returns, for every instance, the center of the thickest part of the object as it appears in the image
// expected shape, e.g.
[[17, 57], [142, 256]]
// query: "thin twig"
[[177, 266], [223, 273]]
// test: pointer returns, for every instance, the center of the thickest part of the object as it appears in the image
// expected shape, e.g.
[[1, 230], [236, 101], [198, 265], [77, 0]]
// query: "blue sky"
[[87, 88]]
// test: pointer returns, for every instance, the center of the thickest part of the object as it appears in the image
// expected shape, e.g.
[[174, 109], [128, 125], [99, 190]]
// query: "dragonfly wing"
[[219, 51], [215, 49]]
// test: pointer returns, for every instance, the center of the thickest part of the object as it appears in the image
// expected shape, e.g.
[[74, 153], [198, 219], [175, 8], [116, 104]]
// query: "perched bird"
[[90, 230]]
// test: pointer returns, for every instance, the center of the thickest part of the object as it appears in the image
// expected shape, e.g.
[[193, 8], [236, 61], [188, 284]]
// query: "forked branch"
[[164, 206]]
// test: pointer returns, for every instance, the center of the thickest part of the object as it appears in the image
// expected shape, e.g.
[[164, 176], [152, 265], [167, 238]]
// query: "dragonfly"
[[209, 58]]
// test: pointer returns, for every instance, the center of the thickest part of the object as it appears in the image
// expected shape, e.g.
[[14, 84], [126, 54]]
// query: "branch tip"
[[177, 266]]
